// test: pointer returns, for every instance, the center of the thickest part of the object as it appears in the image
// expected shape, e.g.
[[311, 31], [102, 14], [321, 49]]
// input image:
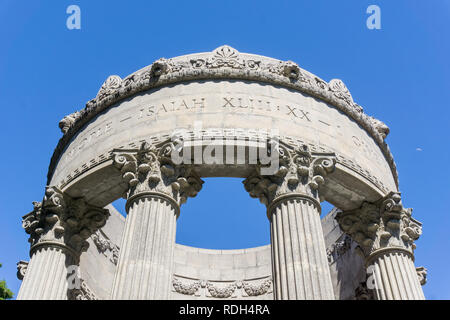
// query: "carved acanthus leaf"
[[379, 127], [379, 225], [21, 269], [110, 87], [106, 246], [68, 121], [43, 223], [340, 91], [257, 290], [422, 275], [299, 171], [221, 292], [185, 288], [339, 248], [81, 221], [62, 219], [244, 288], [150, 168]]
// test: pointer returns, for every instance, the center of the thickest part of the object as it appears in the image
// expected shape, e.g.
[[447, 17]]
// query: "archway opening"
[[223, 216]]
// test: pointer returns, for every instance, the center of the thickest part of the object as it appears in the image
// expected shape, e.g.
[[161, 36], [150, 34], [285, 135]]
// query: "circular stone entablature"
[[214, 98]]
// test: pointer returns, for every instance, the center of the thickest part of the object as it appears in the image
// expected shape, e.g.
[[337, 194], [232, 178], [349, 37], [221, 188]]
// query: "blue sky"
[[399, 74]]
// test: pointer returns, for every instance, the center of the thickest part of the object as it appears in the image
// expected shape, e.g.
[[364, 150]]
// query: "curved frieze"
[[223, 63]]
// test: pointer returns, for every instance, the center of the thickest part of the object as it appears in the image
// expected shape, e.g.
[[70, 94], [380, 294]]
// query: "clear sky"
[[399, 74]]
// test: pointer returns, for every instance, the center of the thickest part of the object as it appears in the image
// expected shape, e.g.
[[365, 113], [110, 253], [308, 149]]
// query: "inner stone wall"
[[219, 274]]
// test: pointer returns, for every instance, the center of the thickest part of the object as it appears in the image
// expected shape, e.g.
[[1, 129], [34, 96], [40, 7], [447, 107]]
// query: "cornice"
[[222, 63]]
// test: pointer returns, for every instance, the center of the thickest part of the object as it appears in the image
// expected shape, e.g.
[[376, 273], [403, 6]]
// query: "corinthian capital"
[[80, 221], [299, 172], [151, 169], [58, 219], [381, 225], [44, 223]]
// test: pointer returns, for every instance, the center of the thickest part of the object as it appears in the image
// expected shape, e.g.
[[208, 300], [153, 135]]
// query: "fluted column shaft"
[[394, 275], [46, 275], [299, 261], [145, 265]]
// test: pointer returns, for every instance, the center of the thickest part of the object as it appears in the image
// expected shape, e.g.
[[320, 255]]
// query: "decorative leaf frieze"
[[185, 288], [250, 288], [221, 292], [253, 290]]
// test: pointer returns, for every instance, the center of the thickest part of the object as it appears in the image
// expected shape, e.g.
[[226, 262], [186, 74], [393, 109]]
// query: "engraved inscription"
[[172, 106], [266, 105], [89, 138]]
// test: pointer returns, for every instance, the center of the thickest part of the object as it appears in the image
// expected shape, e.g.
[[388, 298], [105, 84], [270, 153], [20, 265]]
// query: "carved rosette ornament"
[[109, 87], [299, 172], [150, 169], [386, 224], [63, 221]]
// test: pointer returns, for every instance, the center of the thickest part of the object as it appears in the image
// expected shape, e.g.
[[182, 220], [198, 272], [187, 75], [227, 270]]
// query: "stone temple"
[[295, 140]]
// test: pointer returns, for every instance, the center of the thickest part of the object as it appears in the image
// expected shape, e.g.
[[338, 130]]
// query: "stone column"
[[157, 188], [299, 259], [58, 228], [385, 232]]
